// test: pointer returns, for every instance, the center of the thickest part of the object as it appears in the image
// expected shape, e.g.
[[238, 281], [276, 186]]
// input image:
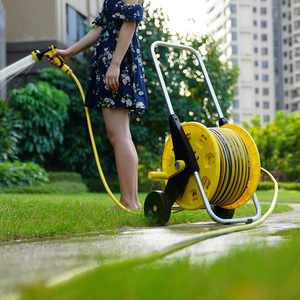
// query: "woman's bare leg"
[[118, 132]]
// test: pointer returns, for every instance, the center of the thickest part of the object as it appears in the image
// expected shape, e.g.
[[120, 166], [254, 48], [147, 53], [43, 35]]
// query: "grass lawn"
[[41, 215]]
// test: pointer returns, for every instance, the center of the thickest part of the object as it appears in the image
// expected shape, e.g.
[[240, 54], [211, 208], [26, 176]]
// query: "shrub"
[[43, 110], [10, 123], [18, 173], [63, 187]]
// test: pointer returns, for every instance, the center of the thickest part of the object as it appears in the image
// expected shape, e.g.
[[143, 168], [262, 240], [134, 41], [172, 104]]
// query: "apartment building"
[[289, 11], [245, 29], [35, 24]]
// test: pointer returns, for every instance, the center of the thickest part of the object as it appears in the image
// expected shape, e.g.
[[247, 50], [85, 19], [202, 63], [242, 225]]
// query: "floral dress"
[[131, 93]]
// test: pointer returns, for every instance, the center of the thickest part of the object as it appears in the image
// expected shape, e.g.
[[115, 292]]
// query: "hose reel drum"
[[229, 166]]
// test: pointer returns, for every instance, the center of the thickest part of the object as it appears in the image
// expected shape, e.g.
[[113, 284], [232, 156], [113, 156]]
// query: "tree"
[[187, 89], [278, 144]]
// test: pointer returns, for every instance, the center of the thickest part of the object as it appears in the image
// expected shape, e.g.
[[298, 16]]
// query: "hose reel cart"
[[213, 168]]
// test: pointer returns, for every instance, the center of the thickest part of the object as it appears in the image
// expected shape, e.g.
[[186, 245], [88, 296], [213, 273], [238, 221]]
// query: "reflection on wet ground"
[[26, 262]]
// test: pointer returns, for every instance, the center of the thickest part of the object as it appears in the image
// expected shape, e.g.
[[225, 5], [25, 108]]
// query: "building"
[[2, 44], [245, 29], [32, 25], [289, 78]]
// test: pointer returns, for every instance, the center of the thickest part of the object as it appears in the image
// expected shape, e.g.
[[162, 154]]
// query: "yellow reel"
[[228, 161]]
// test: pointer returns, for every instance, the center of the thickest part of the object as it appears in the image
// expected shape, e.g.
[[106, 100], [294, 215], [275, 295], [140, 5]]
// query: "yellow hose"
[[95, 149]]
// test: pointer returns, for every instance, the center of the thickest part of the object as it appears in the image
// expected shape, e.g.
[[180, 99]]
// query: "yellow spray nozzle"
[[47, 52]]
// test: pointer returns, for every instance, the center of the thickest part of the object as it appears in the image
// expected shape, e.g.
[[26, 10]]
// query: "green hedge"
[[146, 185], [64, 176], [21, 173], [63, 187], [268, 185]]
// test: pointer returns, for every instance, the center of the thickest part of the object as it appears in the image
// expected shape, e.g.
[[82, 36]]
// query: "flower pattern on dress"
[[131, 93]]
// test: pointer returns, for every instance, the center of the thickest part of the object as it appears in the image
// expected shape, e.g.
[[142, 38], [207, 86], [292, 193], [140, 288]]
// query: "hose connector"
[[38, 55]]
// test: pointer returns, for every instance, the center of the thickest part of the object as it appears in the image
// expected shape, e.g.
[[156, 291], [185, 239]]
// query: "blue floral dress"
[[131, 93]]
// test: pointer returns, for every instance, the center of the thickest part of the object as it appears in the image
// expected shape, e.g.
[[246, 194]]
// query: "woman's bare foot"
[[135, 206]]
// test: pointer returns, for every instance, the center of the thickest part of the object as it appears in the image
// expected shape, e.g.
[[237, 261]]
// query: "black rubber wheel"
[[157, 207], [223, 213]]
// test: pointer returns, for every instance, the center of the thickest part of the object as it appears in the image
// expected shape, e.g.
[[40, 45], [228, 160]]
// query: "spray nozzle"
[[38, 55]]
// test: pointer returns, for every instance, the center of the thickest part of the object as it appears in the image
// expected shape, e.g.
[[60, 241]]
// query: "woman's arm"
[[86, 42], [125, 36]]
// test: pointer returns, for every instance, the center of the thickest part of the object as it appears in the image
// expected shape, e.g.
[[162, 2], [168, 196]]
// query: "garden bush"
[[10, 123], [18, 173], [43, 110]]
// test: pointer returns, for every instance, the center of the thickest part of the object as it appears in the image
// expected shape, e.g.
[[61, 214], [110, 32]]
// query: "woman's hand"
[[63, 53], [112, 77]]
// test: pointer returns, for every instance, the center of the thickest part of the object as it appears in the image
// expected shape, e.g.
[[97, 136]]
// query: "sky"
[[180, 11]]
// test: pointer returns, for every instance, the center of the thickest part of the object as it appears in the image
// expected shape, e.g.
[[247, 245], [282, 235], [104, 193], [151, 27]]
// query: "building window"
[[264, 37], [236, 118], [263, 24], [255, 63], [294, 106], [256, 91], [264, 64], [265, 92], [75, 25], [234, 49], [256, 104], [266, 118], [265, 78], [266, 105], [263, 10], [254, 9], [256, 77], [297, 78], [297, 25], [233, 8], [264, 51], [236, 104], [234, 61], [234, 35], [233, 22], [297, 52]]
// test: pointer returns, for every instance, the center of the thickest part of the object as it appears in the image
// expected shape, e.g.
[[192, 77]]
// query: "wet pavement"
[[27, 262]]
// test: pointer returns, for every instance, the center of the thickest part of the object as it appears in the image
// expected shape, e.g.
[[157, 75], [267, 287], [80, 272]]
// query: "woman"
[[116, 85]]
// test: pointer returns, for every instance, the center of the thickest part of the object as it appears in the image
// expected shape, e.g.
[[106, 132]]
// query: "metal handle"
[[161, 79]]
